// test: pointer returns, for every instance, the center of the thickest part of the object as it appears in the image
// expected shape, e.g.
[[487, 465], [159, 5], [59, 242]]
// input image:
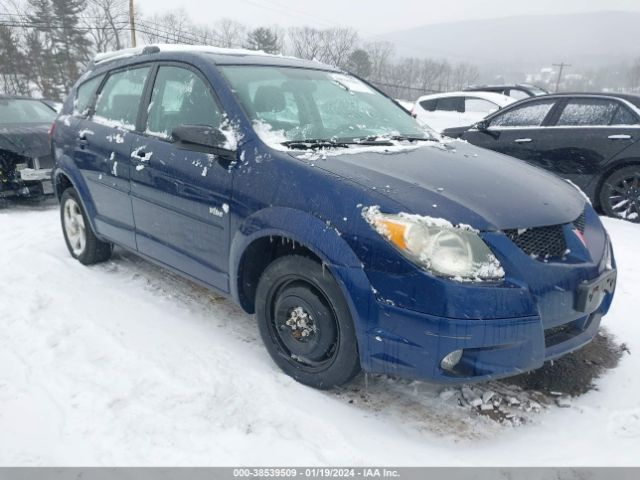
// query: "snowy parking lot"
[[126, 364]]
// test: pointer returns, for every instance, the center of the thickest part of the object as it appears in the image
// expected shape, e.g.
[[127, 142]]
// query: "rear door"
[[516, 131], [586, 133], [102, 150], [181, 196]]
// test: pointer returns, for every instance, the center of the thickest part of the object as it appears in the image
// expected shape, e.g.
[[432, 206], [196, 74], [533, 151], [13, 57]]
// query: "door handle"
[[523, 140], [619, 137], [82, 141]]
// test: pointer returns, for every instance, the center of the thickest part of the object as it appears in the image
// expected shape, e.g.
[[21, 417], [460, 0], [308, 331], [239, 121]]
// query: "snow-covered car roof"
[[497, 98], [218, 54]]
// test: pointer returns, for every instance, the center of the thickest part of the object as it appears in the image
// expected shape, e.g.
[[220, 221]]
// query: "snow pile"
[[171, 374]]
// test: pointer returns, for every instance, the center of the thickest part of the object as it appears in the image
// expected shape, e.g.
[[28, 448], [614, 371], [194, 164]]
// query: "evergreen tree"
[[58, 47], [263, 39], [12, 64], [359, 63]]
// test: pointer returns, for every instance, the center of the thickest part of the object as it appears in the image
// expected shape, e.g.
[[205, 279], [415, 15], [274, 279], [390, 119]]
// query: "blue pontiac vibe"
[[359, 240]]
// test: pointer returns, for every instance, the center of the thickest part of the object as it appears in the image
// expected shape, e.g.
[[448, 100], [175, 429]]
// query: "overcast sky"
[[373, 16]]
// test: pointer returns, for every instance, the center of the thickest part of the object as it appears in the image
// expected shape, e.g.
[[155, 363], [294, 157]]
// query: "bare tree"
[[107, 21], [229, 33], [332, 45]]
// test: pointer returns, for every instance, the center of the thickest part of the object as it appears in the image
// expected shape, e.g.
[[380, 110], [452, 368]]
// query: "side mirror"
[[202, 138], [482, 125]]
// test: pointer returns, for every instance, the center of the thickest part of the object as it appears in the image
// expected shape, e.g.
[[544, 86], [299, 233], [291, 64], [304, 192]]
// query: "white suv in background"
[[457, 109]]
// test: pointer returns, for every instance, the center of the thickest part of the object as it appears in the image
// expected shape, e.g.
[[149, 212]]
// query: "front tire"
[[620, 194], [83, 245], [305, 323]]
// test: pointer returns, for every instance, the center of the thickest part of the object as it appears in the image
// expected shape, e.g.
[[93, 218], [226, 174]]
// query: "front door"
[[515, 131], [181, 196]]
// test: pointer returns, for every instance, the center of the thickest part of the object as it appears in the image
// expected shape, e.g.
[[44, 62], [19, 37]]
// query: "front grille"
[[544, 242], [579, 223]]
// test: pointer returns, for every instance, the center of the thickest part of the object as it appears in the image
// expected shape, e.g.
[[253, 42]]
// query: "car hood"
[[461, 183], [30, 140]]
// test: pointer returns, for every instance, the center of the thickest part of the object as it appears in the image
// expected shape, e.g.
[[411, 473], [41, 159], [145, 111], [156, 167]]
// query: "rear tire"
[[83, 245], [620, 194], [305, 323]]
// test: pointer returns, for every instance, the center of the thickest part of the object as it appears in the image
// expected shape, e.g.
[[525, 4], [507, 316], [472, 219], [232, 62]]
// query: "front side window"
[[588, 112], [302, 104], [119, 100], [530, 115], [84, 95], [19, 110], [180, 97]]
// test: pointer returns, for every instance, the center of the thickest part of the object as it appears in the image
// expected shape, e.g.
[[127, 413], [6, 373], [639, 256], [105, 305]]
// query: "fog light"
[[450, 361]]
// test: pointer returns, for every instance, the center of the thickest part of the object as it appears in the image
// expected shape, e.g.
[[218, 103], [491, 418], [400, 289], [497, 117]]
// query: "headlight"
[[437, 246]]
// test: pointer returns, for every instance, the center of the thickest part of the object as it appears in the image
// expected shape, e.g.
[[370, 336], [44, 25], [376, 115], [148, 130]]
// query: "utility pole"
[[562, 66], [132, 24]]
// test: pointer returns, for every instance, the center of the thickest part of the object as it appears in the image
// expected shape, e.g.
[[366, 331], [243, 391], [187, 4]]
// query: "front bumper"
[[28, 183], [413, 344]]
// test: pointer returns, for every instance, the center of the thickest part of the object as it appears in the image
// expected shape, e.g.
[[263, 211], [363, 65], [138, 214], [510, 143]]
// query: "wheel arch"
[[300, 233], [609, 169]]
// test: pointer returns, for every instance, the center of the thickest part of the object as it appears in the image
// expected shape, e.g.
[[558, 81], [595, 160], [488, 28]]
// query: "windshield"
[[300, 104], [19, 110]]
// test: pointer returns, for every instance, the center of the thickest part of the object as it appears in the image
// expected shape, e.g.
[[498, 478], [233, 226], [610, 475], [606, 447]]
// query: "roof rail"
[[157, 48]]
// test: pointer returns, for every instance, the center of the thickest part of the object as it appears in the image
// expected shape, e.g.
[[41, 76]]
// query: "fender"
[[306, 229]]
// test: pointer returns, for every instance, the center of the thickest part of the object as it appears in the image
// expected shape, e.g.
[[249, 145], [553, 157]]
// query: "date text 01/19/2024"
[[316, 472]]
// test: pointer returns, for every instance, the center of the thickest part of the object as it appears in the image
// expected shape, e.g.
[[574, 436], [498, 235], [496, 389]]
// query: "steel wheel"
[[304, 325], [305, 322]]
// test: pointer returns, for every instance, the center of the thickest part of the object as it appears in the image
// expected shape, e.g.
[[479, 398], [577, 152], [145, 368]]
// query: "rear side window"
[[180, 97], [429, 105], [588, 112], [479, 105], [119, 99], [530, 115], [624, 117], [84, 95], [451, 104]]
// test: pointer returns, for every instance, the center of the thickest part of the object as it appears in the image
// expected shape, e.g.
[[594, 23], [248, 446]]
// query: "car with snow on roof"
[[359, 240]]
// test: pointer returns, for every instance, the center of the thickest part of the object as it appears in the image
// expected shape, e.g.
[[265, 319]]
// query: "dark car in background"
[[25, 155], [517, 91], [590, 139]]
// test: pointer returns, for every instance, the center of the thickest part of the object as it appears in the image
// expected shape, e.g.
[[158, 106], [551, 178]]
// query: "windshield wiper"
[[373, 140], [315, 143], [413, 138]]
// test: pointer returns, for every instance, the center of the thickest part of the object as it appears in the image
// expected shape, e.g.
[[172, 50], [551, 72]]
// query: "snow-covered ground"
[[126, 364]]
